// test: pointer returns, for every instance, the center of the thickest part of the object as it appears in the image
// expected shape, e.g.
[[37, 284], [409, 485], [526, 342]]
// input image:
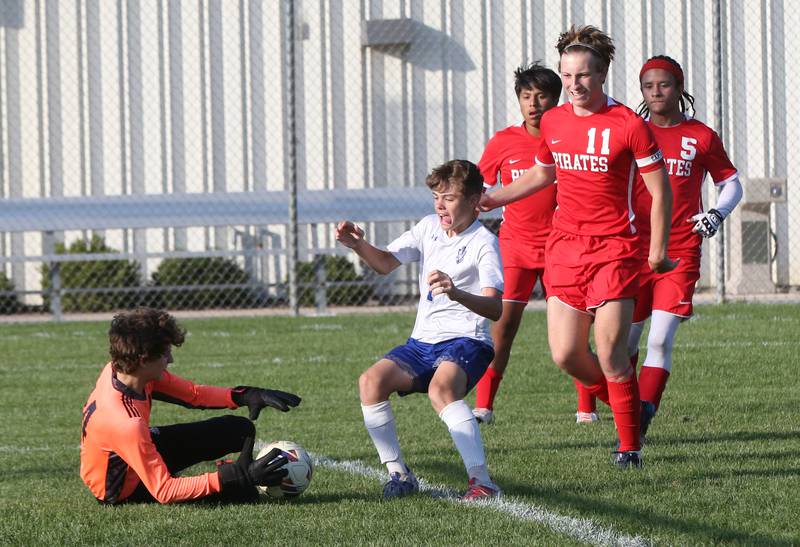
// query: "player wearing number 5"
[[593, 145], [691, 149]]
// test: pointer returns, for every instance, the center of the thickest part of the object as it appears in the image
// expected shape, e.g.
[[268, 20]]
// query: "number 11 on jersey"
[[604, 148]]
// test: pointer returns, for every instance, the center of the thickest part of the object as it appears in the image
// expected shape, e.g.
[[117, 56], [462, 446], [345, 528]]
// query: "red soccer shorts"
[[584, 272], [671, 292], [518, 253], [523, 264], [519, 283]]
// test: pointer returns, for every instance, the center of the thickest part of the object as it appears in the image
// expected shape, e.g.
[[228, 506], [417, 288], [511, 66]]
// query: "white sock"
[[663, 326], [467, 438], [634, 335], [379, 420]]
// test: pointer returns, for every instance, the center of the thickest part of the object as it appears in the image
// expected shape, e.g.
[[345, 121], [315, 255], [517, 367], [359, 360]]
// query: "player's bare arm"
[[657, 183], [352, 237], [487, 304], [532, 181]]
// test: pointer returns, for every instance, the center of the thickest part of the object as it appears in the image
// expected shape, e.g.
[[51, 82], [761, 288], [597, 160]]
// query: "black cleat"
[[627, 460], [648, 411]]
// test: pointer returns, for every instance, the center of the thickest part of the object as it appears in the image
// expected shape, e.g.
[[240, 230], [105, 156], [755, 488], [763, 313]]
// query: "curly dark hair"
[[686, 98], [142, 333]]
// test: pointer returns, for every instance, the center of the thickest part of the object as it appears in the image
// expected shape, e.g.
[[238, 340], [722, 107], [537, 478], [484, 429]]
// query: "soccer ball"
[[300, 471]]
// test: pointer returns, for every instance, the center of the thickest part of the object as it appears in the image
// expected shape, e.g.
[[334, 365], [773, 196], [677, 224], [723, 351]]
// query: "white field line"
[[580, 529]]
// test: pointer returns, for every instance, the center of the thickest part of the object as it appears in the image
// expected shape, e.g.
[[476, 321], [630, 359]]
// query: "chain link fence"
[[198, 154]]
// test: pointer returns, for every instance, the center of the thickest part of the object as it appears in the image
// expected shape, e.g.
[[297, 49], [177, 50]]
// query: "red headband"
[[663, 64]]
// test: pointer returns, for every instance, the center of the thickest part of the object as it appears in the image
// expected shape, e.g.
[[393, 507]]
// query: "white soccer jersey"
[[471, 259]]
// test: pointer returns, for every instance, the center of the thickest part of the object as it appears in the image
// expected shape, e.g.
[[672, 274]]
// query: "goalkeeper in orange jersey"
[[124, 459]]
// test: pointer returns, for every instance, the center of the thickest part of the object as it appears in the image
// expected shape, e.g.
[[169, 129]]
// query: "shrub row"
[[189, 283]]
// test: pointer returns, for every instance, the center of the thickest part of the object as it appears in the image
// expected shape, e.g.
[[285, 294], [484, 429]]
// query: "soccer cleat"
[[483, 415], [481, 491], [586, 417], [400, 485], [648, 411], [628, 459]]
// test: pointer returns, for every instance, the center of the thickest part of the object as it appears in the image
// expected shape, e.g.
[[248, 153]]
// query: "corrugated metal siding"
[[187, 96]]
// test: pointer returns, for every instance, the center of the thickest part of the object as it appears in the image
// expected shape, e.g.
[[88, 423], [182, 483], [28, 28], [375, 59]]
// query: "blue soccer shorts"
[[420, 360]]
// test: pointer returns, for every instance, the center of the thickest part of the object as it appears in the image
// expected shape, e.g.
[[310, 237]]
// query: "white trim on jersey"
[[631, 212], [651, 159], [733, 177], [542, 164]]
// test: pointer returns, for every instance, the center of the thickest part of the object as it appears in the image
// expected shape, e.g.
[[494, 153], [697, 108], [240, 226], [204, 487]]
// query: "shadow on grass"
[[451, 470], [701, 531], [790, 472], [769, 455], [583, 504], [655, 440], [735, 436], [304, 500], [315, 499]]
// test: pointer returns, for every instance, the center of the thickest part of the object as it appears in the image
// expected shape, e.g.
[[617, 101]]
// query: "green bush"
[[182, 274], [94, 274], [337, 268], [8, 302]]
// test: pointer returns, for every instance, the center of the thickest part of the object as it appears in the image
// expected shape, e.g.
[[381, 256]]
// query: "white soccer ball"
[[300, 471]]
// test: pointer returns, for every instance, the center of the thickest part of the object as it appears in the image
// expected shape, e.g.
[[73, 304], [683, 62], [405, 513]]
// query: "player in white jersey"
[[461, 284]]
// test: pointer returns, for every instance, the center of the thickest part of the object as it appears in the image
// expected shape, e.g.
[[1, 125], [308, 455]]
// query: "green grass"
[[722, 460]]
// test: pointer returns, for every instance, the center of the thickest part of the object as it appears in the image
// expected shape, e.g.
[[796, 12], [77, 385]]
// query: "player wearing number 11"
[[593, 145]]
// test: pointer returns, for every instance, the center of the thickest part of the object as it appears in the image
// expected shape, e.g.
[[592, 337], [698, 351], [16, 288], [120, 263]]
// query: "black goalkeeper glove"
[[256, 398], [245, 473]]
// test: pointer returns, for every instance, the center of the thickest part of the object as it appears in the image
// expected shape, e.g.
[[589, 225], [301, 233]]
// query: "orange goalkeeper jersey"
[[117, 451]]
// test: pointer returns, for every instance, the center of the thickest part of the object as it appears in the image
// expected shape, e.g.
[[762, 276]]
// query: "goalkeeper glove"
[[707, 224], [256, 398], [245, 473]]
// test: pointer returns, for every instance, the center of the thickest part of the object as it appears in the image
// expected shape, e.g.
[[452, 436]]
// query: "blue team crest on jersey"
[[461, 254]]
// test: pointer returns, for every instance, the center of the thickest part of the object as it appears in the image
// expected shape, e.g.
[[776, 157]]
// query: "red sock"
[[586, 401], [652, 382], [635, 360], [599, 391], [487, 388], [625, 404]]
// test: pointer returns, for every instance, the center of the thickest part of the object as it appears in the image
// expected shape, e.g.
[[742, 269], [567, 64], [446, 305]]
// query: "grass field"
[[722, 464]]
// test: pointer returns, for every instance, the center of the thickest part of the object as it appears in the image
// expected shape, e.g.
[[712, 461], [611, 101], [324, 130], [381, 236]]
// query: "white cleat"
[[586, 417], [483, 415]]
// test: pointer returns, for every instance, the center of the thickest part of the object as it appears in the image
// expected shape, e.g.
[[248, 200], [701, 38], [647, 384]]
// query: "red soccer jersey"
[[691, 149], [595, 158], [117, 451], [511, 152]]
